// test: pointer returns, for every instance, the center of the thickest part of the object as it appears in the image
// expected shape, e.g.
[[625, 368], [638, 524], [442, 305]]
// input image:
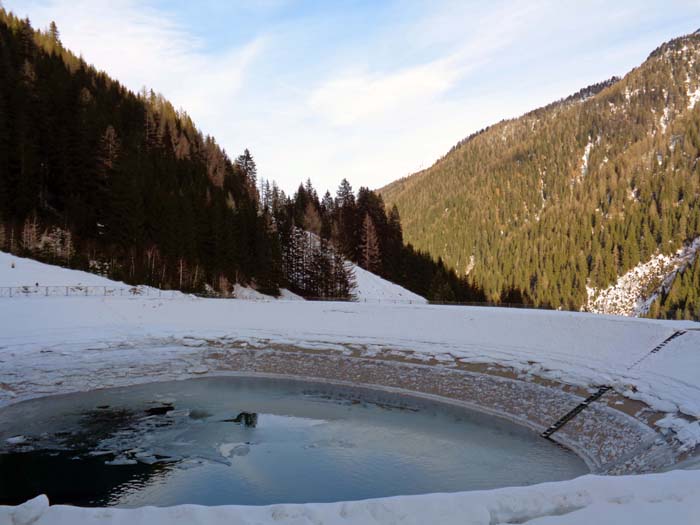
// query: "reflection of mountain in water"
[[69, 466], [106, 435], [86, 482]]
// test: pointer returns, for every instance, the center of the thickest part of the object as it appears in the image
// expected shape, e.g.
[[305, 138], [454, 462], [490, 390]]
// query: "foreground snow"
[[653, 499], [60, 344]]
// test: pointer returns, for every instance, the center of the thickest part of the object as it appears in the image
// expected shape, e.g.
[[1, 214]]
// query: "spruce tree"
[[369, 249]]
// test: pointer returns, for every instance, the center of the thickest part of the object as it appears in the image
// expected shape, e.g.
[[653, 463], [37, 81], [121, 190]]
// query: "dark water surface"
[[253, 441]]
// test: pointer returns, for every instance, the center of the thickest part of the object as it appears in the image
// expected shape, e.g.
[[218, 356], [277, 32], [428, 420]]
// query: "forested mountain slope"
[[572, 194], [97, 177]]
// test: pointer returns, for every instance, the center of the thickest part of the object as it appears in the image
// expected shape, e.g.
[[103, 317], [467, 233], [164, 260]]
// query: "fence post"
[[10, 291], [47, 291]]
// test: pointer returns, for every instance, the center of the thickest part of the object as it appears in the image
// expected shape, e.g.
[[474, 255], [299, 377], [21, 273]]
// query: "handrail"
[[84, 290]]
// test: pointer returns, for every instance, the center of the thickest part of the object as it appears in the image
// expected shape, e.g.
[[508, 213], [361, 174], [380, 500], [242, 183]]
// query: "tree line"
[[359, 227]]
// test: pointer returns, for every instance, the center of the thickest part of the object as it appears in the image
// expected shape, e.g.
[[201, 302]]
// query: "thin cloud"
[[142, 46], [354, 96]]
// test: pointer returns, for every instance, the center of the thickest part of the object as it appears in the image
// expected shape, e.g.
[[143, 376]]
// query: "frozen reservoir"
[[255, 441]]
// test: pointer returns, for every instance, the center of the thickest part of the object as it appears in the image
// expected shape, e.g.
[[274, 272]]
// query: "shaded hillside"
[[96, 177], [575, 193]]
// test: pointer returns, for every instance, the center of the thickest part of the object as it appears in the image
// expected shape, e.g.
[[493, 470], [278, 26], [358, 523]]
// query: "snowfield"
[[60, 344]]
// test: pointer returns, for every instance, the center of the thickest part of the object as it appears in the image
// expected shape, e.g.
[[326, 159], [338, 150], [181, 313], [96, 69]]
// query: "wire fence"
[[148, 291], [86, 291], [425, 301]]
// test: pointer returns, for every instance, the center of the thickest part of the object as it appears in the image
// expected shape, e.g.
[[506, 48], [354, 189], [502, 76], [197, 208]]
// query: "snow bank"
[[672, 497]]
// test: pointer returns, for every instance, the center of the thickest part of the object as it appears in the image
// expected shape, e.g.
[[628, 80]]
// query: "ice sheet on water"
[[137, 425], [121, 460], [229, 450]]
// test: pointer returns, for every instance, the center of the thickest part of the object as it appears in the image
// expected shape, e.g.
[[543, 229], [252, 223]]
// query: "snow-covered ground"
[[60, 344], [372, 288]]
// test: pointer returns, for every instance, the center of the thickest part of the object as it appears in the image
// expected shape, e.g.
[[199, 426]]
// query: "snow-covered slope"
[[22, 272], [19, 271], [372, 288], [636, 290], [34, 276]]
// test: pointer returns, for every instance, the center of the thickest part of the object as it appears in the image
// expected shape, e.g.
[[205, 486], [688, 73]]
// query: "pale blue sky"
[[367, 90]]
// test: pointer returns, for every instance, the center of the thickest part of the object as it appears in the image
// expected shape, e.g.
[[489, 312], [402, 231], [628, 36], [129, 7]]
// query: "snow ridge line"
[[602, 390], [657, 348]]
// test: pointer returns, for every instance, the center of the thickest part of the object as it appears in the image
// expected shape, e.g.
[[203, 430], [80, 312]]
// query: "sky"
[[367, 90]]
